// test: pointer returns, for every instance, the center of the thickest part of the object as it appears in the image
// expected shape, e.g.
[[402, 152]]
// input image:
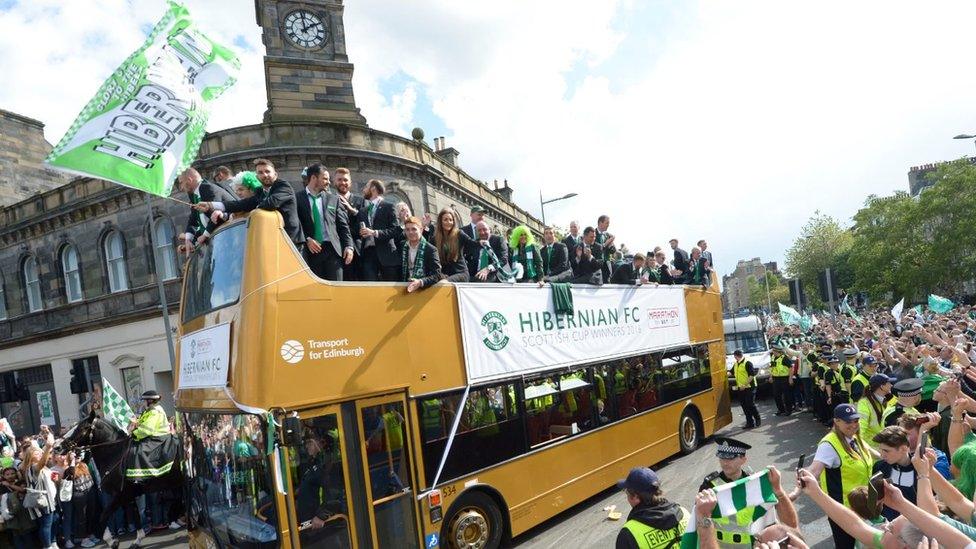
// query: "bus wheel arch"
[[690, 429], [477, 503]]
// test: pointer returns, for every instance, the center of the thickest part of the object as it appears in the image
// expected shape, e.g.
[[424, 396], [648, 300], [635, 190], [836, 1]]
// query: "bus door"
[[385, 455], [318, 471]]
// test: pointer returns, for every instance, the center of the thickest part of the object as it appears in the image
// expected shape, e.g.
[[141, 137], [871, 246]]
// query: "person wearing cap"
[[819, 372], [869, 367], [732, 531], [780, 370], [908, 393], [152, 421], [871, 406], [842, 462], [834, 383], [745, 383], [653, 522]]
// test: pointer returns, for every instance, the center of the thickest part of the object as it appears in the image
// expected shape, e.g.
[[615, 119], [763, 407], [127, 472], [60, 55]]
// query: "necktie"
[[548, 259], [369, 212], [194, 198], [317, 216]]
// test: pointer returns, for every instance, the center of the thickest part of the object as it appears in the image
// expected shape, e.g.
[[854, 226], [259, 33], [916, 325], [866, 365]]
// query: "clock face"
[[305, 29]]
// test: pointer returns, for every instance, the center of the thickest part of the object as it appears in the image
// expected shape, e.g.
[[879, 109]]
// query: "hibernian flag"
[[897, 309], [789, 315], [115, 409], [146, 122], [752, 491], [845, 307], [939, 304]]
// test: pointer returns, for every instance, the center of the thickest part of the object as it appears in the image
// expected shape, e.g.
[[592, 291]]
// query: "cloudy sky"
[[730, 121]]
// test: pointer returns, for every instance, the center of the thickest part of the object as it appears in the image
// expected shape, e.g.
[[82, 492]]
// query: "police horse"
[[110, 447]]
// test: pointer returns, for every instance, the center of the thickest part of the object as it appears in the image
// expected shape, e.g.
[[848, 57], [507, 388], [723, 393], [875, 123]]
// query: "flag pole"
[[159, 285]]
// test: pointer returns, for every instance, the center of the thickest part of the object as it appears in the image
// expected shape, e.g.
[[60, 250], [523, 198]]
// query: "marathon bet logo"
[[292, 351], [494, 322]]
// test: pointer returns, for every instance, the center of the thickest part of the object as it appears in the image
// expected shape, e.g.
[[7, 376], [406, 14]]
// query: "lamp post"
[[542, 203], [965, 136]]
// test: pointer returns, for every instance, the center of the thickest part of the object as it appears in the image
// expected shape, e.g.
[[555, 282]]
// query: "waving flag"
[[789, 315], [897, 309], [755, 490], [146, 122], [845, 307], [115, 409], [939, 304]]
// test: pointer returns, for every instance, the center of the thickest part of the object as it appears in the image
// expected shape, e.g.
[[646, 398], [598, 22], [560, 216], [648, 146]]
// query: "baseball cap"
[[640, 479], [869, 360], [877, 380], [477, 209], [846, 412]]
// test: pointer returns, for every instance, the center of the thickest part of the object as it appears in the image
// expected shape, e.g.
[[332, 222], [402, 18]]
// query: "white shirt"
[[828, 456], [412, 255]]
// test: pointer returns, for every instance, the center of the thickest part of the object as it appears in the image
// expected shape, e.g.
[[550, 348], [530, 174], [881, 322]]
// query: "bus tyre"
[[689, 431], [474, 523]]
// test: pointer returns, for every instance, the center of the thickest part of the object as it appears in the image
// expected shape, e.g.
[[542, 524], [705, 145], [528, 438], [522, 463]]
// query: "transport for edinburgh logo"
[[494, 322]]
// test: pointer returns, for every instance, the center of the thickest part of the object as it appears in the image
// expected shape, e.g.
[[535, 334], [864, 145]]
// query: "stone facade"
[[735, 286], [22, 151]]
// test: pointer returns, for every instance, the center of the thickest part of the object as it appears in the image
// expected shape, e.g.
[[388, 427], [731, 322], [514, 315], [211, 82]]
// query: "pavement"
[[779, 441]]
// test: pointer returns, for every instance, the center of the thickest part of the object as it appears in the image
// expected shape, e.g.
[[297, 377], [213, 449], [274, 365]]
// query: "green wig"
[[249, 180], [517, 233], [965, 460]]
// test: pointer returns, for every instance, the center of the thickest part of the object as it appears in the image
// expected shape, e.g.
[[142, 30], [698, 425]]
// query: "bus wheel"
[[476, 523], [689, 431]]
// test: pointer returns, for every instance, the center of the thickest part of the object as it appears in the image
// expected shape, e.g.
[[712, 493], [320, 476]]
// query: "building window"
[[3, 301], [115, 262], [165, 257], [32, 283], [132, 385], [72, 274]]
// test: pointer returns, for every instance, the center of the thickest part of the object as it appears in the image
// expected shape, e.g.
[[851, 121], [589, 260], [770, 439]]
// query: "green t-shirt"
[[878, 533], [966, 529], [930, 382]]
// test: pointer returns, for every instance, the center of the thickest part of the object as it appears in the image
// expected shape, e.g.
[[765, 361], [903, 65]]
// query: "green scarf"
[[654, 274], [418, 262], [523, 259], [484, 258], [697, 273]]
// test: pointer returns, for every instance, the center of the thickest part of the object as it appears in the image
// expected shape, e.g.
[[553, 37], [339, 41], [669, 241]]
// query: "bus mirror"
[[291, 431]]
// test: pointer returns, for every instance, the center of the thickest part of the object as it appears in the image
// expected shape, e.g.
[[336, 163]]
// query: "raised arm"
[[784, 507], [842, 516], [928, 523]]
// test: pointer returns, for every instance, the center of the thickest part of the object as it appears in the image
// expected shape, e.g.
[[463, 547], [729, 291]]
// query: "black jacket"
[[451, 268], [385, 223], [570, 244], [280, 197], [594, 264], [356, 201], [666, 277], [335, 224], [625, 274], [473, 249], [432, 263], [208, 192], [555, 260], [681, 258], [664, 517]]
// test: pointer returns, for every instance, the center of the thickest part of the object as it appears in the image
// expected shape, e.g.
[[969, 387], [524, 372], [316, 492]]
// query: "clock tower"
[[306, 70]]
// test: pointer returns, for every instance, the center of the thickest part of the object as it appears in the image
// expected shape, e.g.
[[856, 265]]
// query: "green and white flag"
[[789, 315], [897, 310], [145, 124], [115, 409], [845, 307], [755, 491], [939, 304]]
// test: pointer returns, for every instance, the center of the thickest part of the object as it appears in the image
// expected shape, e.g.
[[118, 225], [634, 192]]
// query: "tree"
[[822, 243], [778, 292], [946, 214]]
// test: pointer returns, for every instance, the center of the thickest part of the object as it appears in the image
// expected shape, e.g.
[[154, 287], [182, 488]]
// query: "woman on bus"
[[526, 253], [447, 239]]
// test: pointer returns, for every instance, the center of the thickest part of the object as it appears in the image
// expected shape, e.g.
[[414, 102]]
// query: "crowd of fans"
[[50, 499], [348, 236]]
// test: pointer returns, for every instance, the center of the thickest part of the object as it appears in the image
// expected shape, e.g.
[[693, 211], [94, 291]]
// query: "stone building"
[[77, 269], [735, 286]]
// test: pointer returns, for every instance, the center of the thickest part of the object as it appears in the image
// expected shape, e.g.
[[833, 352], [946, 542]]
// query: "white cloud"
[[733, 122]]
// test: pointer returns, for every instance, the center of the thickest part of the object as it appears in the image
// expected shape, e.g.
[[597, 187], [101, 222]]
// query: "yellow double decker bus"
[[322, 414]]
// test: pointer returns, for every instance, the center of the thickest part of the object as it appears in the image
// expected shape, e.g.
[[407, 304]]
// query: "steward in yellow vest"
[[731, 531], [847, 448], [654, 522]]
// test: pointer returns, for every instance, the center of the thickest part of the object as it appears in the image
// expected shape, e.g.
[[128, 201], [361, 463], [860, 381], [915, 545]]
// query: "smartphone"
[[783, 543], [921, 421], [877, 484], [799, 465], [923, 444]]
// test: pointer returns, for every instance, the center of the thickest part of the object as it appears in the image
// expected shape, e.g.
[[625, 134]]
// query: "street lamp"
[[543, 203], [965, 136]]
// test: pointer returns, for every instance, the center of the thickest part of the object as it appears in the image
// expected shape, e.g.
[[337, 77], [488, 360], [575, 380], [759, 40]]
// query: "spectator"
[[18, 527], [328, 240], [651, 514], [447, 239], [42, 493], [419, 258], [589, 260], [378, 231], [896, 464], [555, 258], [352, 203], [917, 424], [525, 252]]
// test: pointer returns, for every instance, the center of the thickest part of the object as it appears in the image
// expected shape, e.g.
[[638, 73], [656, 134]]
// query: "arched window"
[[72, 274], [32, 284], [165, 255], [118, 280]]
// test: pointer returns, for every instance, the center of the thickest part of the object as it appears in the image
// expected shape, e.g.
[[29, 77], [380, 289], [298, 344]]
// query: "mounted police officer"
[[732, 531]]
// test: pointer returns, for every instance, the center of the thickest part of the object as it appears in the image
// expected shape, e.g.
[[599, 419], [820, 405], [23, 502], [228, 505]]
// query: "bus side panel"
[[705, 324]]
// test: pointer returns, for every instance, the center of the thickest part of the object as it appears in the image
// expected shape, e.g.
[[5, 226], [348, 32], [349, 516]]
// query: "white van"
[[746, 334]]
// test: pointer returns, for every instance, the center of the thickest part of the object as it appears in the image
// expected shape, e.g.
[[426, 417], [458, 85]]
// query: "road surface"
[[779, 441]]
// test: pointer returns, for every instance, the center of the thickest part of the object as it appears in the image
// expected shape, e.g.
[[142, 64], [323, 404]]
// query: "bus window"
[[684, 373], [387, 460], [625, 388], [574, 409], [213, 274], [605, 401], [319, 485], [648, 374]]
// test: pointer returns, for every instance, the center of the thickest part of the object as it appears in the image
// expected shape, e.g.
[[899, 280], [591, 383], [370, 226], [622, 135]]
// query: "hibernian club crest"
[[495, 338]]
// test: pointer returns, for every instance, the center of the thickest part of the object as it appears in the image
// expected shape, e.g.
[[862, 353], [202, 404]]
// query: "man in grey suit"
[[328, 242]]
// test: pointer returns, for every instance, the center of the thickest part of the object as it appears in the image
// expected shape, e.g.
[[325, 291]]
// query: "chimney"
[[504, 192], [447, 154]]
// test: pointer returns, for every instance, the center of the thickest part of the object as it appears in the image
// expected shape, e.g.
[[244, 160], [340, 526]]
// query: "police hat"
[[150, 395], [908, 387], [832, 359], [640, 479], [877, 380], [869, 360], [729, 448], [849, 353]]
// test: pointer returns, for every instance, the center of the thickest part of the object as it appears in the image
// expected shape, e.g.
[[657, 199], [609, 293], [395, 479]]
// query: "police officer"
[[780, 370], [654, 522], [834, 384], [152, 421], [745, 382], [732, 531], [819, 372], [869, 367], [908, 393]]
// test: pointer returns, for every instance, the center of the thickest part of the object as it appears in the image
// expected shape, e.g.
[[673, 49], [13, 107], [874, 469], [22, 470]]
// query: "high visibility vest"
[[394, 435], [777, 368], [601, 387], [431, 419], [483, 415], [648, 537], [854, 471], [152, 422], [619, 382], [733, 530], [851, 371], [742, 376], [870, 423], [862, 379], [894, 407]]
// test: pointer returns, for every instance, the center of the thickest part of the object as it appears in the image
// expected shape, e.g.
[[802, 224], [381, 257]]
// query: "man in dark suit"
[[222, 175], [680, 258], [377, 235], [471, 232], [632, 274], [706, 255], [198, 225], [328, 242], [606, 240], [352, 203], [420, 264], [555, 258], [278, 196], [589, 260], [572, 241], [489, 254]]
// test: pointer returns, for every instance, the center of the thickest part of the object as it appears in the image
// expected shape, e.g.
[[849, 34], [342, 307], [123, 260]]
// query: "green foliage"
[[778, 291], [822, 243]]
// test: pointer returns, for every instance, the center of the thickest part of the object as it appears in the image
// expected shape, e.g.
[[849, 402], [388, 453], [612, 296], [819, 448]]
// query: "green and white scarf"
[[523, 254], [418, 262]]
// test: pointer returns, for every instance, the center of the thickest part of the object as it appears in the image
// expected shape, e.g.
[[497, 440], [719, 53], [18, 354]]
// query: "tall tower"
[[306, 70]]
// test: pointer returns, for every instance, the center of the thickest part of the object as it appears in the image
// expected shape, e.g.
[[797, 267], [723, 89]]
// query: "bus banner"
[[510, 330]]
